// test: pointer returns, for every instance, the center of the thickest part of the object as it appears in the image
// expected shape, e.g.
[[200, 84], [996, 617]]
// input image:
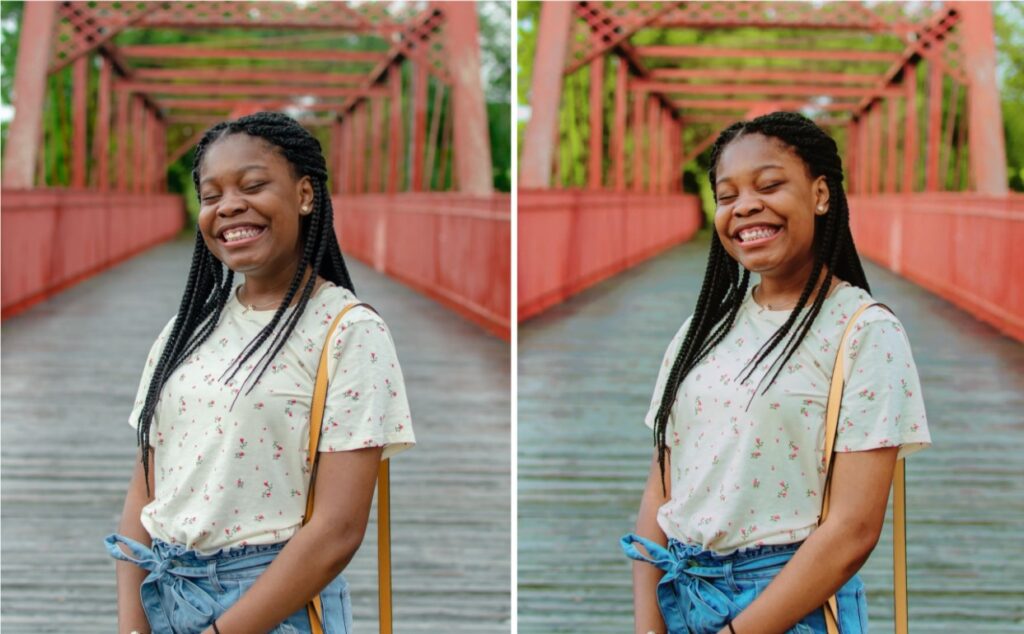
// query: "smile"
[[240, 237], [756, 236]]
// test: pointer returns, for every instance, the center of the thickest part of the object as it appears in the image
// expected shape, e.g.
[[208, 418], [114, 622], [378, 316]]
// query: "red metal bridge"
[[413, 196], [907, 89]]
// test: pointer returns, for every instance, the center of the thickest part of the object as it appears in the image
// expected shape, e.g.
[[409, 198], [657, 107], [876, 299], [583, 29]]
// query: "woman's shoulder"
[[334, 299], [849, 299]]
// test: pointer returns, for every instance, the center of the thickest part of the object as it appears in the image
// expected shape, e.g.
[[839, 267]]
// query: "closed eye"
[[771, 186], [254, 187]]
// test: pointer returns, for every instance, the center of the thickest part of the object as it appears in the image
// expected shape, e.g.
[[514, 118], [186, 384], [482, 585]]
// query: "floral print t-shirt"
[[230, 467], [747, 469]]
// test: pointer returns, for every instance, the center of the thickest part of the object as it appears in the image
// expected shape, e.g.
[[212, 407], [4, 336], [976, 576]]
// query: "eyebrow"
[[241, 170], [757, 170]]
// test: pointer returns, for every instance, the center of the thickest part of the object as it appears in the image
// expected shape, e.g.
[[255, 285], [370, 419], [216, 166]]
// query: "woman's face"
[[250, 206], [766, 205]]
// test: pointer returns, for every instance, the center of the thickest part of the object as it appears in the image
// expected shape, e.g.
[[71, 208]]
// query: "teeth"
[[240, 234], [757, 234]]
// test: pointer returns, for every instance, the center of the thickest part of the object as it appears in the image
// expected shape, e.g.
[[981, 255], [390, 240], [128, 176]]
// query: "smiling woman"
[[730, 514], [216, 511]]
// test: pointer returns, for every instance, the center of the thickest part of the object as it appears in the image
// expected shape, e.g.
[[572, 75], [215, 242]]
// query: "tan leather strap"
[[316, 418], [899, 533]]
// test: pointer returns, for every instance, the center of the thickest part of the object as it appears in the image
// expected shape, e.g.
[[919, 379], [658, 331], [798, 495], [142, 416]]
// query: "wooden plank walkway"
[[586, 371], [70, 370]]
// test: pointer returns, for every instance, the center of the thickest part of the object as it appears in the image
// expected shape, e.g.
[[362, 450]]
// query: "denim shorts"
[[185, 591], [702, 590]]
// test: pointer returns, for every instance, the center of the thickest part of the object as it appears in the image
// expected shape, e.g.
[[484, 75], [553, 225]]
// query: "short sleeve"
[[664, 370], [152, 358], [366, 399], [882, 404]]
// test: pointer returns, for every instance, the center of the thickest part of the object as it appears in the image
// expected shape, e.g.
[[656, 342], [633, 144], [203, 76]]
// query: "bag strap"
[[899, 525], [316, 417]]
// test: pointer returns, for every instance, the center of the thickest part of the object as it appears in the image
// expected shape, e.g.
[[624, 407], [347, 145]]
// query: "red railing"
[[453, 247], [964, 247], [53, 238], [569, 239]]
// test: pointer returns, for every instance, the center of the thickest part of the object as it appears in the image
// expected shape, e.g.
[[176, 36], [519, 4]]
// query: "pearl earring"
[[821, 208], [304, 208]]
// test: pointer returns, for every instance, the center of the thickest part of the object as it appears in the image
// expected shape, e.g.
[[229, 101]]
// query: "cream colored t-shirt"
[[230, 467], [751, 476]]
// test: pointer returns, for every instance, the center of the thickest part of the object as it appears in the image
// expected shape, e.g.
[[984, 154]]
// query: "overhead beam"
[[758, 89], [186, 52], [193, 75], [707, 52], [744, 106], [184, 103], [746, 74], [251, 89]]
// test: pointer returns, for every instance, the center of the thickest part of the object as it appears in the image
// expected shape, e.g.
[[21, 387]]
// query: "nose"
[[231, 204], [747, 204]]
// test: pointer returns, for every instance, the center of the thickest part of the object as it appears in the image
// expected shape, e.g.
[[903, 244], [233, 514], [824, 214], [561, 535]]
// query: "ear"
[[821, 196], [305, 186]]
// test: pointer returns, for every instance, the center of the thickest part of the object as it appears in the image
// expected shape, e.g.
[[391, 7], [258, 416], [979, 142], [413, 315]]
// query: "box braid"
[[208, 286], [725, 288]]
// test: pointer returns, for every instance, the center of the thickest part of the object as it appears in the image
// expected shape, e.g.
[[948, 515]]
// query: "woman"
[[212, 536], [733, 497]]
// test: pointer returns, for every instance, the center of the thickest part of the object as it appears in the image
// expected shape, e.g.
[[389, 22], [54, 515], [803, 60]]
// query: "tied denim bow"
[[689, 600], [171, 575]]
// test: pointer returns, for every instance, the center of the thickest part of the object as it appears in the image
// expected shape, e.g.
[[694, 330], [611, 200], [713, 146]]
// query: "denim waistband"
[[173, 567]]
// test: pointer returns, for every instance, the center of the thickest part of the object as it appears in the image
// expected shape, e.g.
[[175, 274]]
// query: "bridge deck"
[[70, 369], [586, 371]]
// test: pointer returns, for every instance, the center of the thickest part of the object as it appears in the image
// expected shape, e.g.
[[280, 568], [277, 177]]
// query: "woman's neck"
[[261, 292], [779, 293]]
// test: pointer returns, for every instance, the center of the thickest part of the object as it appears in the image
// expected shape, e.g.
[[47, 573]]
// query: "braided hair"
[[725, 281], [208, 285]]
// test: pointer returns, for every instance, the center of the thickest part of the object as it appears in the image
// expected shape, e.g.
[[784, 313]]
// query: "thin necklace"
[[248, 307]]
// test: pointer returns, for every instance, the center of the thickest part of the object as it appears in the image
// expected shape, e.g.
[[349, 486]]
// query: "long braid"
[[719, 302], [208, 287]]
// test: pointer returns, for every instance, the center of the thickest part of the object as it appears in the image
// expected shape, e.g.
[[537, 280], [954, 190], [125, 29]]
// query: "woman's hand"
[[834, 552], [319, 551], [130, 615], [647, 615]]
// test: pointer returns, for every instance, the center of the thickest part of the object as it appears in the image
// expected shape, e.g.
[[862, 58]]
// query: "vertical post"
[[639, 110], [123, 102], [345, 158], [395, 133], [681, 152], [653, 134], [851, 156], [935, 78], [545, 95], [893, 139], [876, 148], [420, 80], [21, 153], [359, 156], [618, 141], [138, 136], [79, 119], [595, 162], [101, 131], [986, 146], [376, 141], [910, 129], [472, 142], [334, 157]]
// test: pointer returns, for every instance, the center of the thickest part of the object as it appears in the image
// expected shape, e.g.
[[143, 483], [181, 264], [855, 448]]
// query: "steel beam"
[[419, 123], [218, 89], [752, 75], [79, 120], [170, 52], [986, 145], [910, 128], [935, 80], [595, 156], [101, 134], [892, 137], [395, 144], [545, 96], [472, 142], [193, 75], [21, 152], [670, 88], [705, 52], [639, 111], [618, 140]]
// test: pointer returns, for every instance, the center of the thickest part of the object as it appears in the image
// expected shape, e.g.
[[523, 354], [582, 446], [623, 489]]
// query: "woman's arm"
[[835, 551], [130, 615], [319, 551], [647, 616]]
